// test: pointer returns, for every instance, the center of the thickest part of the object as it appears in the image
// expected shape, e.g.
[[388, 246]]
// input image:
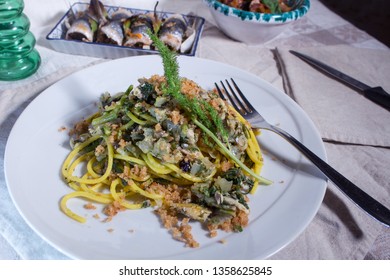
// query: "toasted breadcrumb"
[[226, 165], [89, 206], [99, 150], [175, 115], [213, 233], [180, 230], [79, 128], [112, 209], [122, 143], [190, 88]]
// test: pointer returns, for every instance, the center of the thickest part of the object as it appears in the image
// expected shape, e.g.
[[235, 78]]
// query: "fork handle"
[[361, 198]]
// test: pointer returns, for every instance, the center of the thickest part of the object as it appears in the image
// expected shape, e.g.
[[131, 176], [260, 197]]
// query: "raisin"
[[185, 165]]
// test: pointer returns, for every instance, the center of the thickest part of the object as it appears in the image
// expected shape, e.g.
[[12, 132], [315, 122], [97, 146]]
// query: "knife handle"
[[379, 96]]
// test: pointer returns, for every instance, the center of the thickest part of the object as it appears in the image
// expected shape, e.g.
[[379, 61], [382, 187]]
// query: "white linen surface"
[[355, 130], [339, 112]]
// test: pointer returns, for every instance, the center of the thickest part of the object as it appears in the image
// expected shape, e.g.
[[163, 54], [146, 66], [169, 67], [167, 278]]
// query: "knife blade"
[[375, 94]]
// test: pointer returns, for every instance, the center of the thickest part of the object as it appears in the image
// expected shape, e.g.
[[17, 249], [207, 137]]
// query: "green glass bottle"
[[18, 58]]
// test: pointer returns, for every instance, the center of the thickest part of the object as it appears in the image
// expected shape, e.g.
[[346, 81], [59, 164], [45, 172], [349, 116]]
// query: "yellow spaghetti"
[[141, 149]]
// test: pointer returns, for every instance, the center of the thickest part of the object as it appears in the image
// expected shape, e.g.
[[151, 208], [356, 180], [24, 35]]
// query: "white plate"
[[37, 147]]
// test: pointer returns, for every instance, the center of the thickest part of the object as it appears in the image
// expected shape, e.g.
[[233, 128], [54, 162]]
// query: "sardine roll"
[[112, 32], [82, 29], [172, 32], [136, 28]]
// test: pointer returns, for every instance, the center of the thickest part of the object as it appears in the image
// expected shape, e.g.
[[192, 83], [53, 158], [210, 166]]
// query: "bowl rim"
[[259, 17]]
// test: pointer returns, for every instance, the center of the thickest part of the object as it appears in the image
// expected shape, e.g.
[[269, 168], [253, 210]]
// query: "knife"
[[375, 94]]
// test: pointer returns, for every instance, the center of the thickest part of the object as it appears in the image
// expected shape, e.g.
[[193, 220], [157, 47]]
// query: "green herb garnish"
[[195, 107], [273, 5], [201, 112]]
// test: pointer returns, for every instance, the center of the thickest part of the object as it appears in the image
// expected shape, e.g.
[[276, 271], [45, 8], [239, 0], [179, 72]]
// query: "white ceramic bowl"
[[253, 28]]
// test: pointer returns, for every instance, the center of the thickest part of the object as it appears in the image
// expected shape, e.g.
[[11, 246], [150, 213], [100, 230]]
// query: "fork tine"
[[226, 92], [220, 92], [230, 97], [242, 96], [238, 102], [222, 95]]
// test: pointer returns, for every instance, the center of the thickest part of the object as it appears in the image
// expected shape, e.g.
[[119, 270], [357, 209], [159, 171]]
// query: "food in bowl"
[[261, 6], [254, 27]]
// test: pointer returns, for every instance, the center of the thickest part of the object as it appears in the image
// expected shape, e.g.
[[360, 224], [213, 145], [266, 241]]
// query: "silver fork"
[[237, 99]]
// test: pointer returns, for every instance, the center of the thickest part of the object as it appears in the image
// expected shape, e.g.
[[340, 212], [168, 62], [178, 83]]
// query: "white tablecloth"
[[340, 230]]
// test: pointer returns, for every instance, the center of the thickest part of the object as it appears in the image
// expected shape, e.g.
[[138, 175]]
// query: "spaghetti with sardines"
[[169, 144]]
